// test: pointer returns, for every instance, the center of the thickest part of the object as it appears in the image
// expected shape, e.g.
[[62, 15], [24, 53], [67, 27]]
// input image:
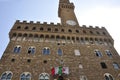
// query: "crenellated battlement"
[[37, 22], [58, 24], [92, 27]]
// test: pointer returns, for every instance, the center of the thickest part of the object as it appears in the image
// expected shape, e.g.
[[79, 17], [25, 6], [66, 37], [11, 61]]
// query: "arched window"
[[34, 28], [108, 53], [26, 28], [108, 76], [116, 66], [18, 27], [6, 75], [46, 51], [59, 52], [44, 76], [98, 53], [31, 50], [25, 76], [17, 49]]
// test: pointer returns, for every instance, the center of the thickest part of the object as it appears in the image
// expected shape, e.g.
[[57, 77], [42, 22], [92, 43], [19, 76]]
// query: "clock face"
[[71, 22]]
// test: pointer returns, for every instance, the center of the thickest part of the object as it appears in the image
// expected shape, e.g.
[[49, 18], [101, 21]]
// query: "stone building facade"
[[63, 51]]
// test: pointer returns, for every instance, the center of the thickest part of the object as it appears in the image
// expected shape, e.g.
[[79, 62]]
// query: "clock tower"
[[66, 13]]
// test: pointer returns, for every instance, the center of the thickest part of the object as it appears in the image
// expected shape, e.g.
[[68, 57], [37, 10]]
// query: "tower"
[[62, 51], [66, 13]]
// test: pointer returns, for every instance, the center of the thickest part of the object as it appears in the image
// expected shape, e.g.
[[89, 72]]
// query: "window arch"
[[108, 76], [17, 49], [6, 75], [44, 76], [46, 51], [25, 76]]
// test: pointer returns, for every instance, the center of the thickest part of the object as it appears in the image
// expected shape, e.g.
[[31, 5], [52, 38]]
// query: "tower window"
[[91, 32], [41, 29], [17, 49], [26, 28], [98, 53], [25, 76], [103, 65], [108, 53], [97, 32], [116, 66], [46, 51], [49, 29], [62, 30], [84, 31], [104, 33], [19, 27], [31, 50], [77, 31], [34, 28], [56, 29], [70, 30], [6, 75], [59, 52]]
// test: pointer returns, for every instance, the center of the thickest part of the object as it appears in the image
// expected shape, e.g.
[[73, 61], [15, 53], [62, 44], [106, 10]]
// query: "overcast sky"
[[89, 12]]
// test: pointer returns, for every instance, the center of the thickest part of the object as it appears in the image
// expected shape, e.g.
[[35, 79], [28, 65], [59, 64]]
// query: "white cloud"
[[107, 17]]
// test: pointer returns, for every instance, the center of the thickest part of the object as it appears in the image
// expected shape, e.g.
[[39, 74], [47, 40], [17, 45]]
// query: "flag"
[[53, 71], [65, 70], [60, 70]]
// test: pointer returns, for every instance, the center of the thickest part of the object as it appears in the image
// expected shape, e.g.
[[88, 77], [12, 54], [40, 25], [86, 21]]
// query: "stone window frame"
[[43, 76], [31, 50], [46, 51], [7, 75], [17, 49], [108, 76], [26, 28], [116, 65], [33, 28], [25, 75], [98, 53], [60, 52], [103, 65], [18, 27], [108, 53]]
